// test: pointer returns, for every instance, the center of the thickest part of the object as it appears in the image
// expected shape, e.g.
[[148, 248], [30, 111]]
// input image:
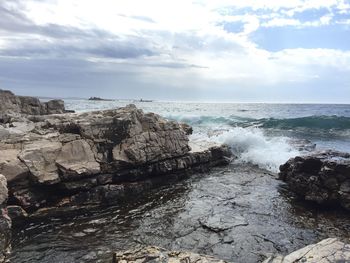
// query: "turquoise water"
[[259, 133]]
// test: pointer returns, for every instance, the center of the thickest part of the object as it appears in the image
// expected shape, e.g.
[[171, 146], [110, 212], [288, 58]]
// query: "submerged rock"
[[328, 250], [156, 254], [322, 177]]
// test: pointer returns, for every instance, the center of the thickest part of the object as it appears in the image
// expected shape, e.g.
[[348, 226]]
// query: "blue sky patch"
[[279, 38]]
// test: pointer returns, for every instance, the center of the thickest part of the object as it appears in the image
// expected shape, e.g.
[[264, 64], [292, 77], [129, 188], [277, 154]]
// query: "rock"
[[322, 177], [97, 157], [186, 128], [54, 107], [328, 250], [10, 104], [40, 157], [151, 147], [3, 189], [11, 166], [156, 254], [219, 222], [16, 213], [76, 159], [5, 222]]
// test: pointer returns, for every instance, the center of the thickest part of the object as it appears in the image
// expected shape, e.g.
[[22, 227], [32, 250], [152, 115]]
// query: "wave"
[[251, 145], [208, 120], [324, 123], [314, 122], [269, 142]]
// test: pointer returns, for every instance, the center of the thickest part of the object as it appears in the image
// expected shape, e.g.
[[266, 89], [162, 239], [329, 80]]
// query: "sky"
[[231, 51]]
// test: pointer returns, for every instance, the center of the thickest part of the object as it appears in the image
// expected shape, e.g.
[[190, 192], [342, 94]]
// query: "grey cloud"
[[105, 50], [77, 42], [76, 78]]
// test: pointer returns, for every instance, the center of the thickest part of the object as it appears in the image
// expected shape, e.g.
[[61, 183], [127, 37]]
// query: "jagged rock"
[[40, 157], [76, 159], [11, 166], [186, 128], [156, 254], [97, 157], [5, 222], [322, 177], [151, 147], [54, 107], [328, 250], [10, 103]]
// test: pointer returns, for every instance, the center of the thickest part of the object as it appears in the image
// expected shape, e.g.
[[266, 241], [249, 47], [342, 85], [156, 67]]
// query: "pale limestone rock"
[[149, 147], [328, 250], [76, 159], [3, 189], [39, 157], [10, 166]]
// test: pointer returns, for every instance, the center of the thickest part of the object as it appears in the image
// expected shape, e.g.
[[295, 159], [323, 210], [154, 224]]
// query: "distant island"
[[142, 100], [98, 98]]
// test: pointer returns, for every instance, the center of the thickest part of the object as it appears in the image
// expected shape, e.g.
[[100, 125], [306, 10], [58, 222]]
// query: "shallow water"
[[238, 213]]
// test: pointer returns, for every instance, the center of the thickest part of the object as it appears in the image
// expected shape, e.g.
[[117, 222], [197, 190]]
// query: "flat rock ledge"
[[322, 177], [328, 250], [156, 254]]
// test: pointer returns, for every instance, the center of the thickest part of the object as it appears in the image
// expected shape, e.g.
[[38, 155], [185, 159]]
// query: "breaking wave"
[[251, 145]]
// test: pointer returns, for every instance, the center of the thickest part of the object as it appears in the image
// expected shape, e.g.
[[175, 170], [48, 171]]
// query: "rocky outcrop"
[[328, 250], [11, 104], [322, 177], [5, 222], [156, 254], [96, 157]]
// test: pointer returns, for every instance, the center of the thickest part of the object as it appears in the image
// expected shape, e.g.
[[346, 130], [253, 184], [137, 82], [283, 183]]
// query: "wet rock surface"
[[238, 213], [161, 255], [322, 177]]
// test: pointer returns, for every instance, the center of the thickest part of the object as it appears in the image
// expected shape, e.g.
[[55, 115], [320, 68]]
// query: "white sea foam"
[[251, 145]]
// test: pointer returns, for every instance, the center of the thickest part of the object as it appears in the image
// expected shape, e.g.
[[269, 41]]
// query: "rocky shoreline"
[[327, 250], [64, 161], [53, 161]]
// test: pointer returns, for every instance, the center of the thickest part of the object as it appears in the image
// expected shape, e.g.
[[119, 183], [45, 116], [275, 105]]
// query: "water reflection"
[[238, 213]]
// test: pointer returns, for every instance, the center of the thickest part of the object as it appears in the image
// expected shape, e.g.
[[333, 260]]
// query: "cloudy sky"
[[239, 50]]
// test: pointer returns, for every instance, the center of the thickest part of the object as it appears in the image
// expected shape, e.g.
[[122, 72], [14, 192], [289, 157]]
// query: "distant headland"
[[99, 99]]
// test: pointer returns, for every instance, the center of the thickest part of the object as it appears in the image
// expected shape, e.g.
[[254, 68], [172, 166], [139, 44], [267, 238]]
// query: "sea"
[[263, 134]]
